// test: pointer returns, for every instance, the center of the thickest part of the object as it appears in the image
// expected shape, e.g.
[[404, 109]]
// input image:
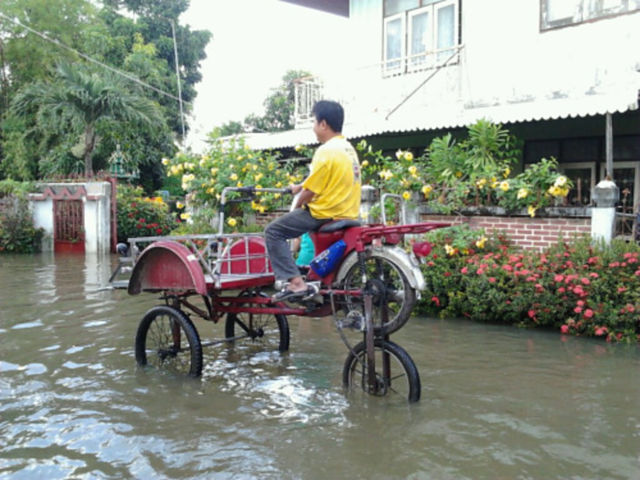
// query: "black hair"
[[331, 112]]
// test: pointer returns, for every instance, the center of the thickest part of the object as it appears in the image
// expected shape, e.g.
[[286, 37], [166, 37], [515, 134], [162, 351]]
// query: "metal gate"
[[68, 226]]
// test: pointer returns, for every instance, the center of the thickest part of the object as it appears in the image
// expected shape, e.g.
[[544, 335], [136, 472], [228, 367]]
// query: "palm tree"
[[77, 99]]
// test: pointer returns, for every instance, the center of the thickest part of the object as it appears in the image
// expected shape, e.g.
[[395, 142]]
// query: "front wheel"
[[396, 373], [391, 292], [167, 340]]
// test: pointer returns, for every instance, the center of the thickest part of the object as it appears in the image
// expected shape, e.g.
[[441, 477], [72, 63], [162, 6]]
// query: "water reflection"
[[496, 403]]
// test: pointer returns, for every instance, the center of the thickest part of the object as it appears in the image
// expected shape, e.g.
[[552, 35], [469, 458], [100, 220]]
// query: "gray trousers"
[[290, 225]]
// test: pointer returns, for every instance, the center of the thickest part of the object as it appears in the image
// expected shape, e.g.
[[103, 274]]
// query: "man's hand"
[[295, 189]]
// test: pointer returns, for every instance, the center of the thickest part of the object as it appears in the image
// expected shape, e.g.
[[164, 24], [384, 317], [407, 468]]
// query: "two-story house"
[[562, 75]]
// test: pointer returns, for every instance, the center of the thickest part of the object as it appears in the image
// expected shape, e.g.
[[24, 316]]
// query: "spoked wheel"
[[266, 330], [390, 287], [396, 374], [167, 340]]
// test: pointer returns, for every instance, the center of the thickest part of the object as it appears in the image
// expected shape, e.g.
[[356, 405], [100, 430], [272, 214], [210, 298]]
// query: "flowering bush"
[[230, 163], [140, 216], [476, 171], [578, 288]]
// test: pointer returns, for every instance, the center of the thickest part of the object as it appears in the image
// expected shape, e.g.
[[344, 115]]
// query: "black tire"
[[266, 330], [396, 374], [156, 342], [390, 287]]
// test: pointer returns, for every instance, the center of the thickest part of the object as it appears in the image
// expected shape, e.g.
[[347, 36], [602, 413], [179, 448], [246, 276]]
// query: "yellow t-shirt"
[[335, 180]]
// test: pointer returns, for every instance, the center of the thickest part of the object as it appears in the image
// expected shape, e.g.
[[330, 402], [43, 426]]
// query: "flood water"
[[497, 402]]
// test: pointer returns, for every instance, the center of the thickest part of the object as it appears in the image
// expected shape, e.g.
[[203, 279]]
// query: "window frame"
[[431, 53], [403, 51], [583, 14]]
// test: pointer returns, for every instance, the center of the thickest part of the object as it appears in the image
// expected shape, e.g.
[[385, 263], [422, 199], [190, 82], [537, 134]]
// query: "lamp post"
[[603, 215]]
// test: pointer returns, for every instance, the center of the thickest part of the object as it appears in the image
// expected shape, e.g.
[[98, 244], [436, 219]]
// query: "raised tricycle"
[[366, 282]]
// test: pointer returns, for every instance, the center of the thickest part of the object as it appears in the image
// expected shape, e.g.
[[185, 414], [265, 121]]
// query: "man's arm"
[[304, 198]]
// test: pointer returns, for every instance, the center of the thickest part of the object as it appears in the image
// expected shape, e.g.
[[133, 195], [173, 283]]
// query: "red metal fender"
[[167, 265]]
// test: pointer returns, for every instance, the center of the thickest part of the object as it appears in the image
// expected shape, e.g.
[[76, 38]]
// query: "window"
[[419, 34], [308, 91], [561, 13]]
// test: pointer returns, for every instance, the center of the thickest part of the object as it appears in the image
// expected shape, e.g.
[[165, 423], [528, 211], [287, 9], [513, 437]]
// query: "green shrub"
[[577, 287], [17, 232], [140, 216]]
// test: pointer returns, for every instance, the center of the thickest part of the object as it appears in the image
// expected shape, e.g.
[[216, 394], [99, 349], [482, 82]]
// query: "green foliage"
[[140, 216], [140, 44], [471, 172], [17, 232], [230, 163], [576, 287], [76, 101]]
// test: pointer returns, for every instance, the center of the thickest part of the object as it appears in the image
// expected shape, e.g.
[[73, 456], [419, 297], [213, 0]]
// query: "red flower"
[[435, 300], [578, 309], [464, 270], [447, 274], [601, 331], [564, 328], [159, 231], [531, 313], [588, 313], [558, 278], [492, 279], [622, 289], [585, 281]]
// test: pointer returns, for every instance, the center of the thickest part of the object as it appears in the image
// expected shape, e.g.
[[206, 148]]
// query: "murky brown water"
[[497, 402]]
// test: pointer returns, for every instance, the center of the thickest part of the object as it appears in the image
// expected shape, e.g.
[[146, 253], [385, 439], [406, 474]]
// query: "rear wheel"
[[396, 373], [391, 290], [167, 340], [267, 331]]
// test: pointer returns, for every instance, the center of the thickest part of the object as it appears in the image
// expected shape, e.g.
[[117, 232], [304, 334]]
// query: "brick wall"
[[532, 233], [526, 232]]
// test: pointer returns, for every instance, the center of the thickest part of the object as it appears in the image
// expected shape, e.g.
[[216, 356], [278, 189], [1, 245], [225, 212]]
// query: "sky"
[[254, 43]]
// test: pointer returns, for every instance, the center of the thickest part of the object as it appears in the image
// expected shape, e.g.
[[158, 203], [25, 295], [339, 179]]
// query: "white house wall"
[[506, 61]]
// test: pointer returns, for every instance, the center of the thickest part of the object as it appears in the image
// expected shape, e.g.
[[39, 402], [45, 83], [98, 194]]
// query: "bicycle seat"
[[336, 225]]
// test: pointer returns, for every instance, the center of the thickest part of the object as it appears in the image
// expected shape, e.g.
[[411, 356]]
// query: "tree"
[[77, 100], [279, 106]]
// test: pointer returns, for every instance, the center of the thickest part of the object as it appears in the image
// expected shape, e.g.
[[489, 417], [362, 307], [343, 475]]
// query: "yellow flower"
[[554, 190], [481, 242], [298, 148], [399, 154], [408, 156], [504, 186], [413, 169], [365, 163], [406, 195], [458, 174], [214, 171], [174, 170], [179, 205], [449, 249], [232, 222], [531, 210], [426, 190], [481, 183], [262, 208], [239, 184], [234, 177], [276, 196], [506, 172], [258, 176], [165, 161], [560, 181], [522, 193], [185, 216]]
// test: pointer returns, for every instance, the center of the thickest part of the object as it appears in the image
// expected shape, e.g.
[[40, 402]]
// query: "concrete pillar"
[[603, 215]]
